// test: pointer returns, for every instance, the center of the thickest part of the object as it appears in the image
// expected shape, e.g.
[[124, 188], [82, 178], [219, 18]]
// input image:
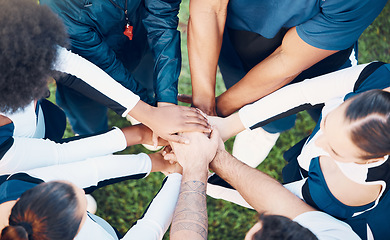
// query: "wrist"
[[145, 134], [196, 172], [144, 113], [234, 125], [205, 104], [222, 106], [162, 104], [133, 135], [218, 160]]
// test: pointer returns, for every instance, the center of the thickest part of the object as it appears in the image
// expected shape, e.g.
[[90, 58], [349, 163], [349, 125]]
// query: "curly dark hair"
[[29, 35]]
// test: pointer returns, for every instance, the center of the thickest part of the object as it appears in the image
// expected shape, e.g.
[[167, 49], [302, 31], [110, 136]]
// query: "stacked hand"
[[198, 153], [174, 119]]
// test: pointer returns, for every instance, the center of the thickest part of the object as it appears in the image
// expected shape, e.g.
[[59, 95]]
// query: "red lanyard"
[[128, 29]]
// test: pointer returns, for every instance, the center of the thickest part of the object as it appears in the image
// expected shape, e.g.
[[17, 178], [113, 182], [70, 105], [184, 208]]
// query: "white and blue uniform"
[[22, 146], [368, 221], [98, 172]]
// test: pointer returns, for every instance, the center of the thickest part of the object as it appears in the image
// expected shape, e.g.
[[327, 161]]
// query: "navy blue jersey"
[[325, 24]]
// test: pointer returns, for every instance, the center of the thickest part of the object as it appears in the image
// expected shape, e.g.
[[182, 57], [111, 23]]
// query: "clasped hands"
[[196, 155]]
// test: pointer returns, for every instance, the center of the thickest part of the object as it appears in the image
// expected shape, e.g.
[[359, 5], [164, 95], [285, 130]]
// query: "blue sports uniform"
[[329, 25], [148, 65], [325, 24]]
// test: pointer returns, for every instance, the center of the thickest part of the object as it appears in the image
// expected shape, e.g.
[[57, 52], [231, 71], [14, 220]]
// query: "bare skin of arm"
[[4, 120], [262, 192], [190, 219], [280, 68], [205, 30]]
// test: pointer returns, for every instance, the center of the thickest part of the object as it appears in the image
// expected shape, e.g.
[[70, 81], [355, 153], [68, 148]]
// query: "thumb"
[[216, 138]]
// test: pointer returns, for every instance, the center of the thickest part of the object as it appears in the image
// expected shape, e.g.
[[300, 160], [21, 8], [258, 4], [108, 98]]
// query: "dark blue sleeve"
[[339, 23], [87, 41], [161, 22]]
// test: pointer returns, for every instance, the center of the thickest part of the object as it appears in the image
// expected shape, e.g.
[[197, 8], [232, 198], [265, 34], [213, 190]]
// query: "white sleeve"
[[311, 91], [29, 153], [158, 217], [296, 187], [326, 227], [96, 78], [227, 194], [98, 171]]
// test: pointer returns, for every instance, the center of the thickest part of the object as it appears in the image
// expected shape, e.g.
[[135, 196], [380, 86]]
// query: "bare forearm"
[[256, 187], [140, 134], [280, 68], [205, 30], [190, 218], [260, 81]]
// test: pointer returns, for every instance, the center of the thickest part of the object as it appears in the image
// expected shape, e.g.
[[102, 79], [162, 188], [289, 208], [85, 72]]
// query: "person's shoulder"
[[352, 4], [325, 226]]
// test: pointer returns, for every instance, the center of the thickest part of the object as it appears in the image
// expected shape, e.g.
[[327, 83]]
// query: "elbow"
[[289, 69]]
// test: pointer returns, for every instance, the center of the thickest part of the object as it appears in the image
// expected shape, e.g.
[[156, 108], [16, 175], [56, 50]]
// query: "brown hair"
[[369, 115], [47, 211]]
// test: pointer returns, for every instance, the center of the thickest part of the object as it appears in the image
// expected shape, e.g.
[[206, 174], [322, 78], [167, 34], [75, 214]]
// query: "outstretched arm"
[[280, 68], [161, 23], [256, 187], [97, 84], [290, 99], [190, 217], [97, 172], [156, 219], [205, 29]]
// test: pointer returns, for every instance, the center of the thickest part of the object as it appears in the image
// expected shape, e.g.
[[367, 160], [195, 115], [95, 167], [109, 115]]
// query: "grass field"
[[122, 204]]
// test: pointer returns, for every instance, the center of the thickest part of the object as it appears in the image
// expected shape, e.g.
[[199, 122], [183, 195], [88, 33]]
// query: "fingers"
[[169, 155], [197, 120], [177, 139], [194, 117], [194, 127], [167, 149], [190, 112], [184, 98]]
